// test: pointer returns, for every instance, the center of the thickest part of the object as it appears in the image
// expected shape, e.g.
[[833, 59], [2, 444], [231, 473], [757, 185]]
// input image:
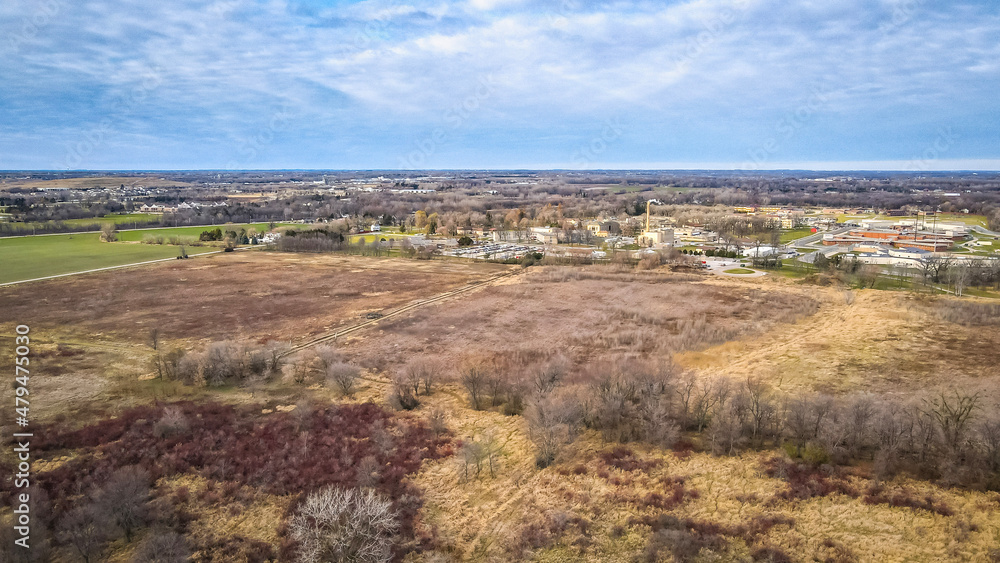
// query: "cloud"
[[702, 80]]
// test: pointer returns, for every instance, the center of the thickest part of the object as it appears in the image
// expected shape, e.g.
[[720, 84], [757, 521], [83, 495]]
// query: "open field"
[[33, 257], [92, 181], [598, 501], [262, 295], [793, 234], [122, 219], [48, 255], [966, 218], [654, 316]]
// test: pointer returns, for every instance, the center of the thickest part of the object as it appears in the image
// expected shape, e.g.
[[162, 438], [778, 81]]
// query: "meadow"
[[466, 476], [24, 258], [31, 257]]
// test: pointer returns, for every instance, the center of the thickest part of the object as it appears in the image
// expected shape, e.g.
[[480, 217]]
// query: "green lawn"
[[25, 258], [371, 237], [794, 234], [739, 271]]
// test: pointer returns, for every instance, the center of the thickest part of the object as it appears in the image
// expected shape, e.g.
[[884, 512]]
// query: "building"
[[604, 228], [545, 235], [657, 237], [376, 228], [896, 238]]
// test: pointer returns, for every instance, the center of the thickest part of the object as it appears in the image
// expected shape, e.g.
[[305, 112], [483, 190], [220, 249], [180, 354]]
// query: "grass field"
[[372, 237], [971, 220], [740, 271], [793, 234], [122, 219], [26, 258], [798, 338]]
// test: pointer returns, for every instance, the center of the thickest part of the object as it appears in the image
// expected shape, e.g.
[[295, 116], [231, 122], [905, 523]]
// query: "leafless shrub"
[[401, 395], [968, 313], [163, 547], [546, 375], [85, 530], [553, 420], [437, 419], [474, 376], [631, 401], [344, 525], [122, 501], [475, 453], [421, 375], [343, 376], [172, 422]]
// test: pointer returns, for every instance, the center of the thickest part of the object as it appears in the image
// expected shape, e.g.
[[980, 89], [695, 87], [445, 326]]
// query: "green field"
[[793, 234], [121, 219], [977, 220], [739, 271], [25, 258], [372, 237]]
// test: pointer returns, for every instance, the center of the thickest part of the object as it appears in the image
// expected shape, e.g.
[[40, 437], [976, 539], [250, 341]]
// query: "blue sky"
[[411, 84]]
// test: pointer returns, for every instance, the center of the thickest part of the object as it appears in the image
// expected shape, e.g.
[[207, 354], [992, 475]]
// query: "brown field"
[[258, 295], [92, 332], [83, 183], [586, 315]]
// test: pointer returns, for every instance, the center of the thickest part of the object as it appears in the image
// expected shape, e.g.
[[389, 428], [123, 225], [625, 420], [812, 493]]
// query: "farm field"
[[124, 220], [48, 255], [25, 258]]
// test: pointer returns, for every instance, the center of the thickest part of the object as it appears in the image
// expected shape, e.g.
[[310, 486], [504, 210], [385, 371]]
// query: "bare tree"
[[86, 530], [553, 420], [344, 377], [344, 525], [546, 375], [474, 378], [163, 547], [123, 499]]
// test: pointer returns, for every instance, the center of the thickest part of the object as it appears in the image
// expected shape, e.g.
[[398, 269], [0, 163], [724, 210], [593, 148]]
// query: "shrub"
[[344, 525]]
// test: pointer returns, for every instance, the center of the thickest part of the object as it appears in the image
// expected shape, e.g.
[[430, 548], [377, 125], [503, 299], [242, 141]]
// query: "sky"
[[493, 84]]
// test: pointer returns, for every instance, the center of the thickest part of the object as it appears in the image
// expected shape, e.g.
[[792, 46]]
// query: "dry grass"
[[882, 342], [586, 314], [581, 508]]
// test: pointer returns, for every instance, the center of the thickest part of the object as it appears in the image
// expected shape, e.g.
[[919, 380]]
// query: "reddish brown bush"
[[905, 498], [807, 481], [238, 447], [625, 459]]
